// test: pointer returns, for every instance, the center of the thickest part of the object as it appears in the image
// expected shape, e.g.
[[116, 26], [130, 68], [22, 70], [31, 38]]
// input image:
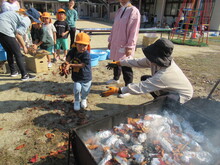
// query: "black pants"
[[127, 74], [12, 48], [72, 36]]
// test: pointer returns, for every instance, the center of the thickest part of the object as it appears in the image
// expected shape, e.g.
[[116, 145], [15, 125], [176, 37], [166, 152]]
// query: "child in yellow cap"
[[78, 58], [49, 36], [62, 29]]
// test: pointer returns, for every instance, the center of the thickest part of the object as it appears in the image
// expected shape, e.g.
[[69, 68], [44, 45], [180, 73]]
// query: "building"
[[163, 10]]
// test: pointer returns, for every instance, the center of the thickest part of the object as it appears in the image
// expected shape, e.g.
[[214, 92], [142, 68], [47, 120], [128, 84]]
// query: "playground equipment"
[[193, 22]]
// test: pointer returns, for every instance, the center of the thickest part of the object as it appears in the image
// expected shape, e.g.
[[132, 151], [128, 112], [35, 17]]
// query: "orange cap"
[[22, 10], [61, 10], [46, 15], [82, 38]]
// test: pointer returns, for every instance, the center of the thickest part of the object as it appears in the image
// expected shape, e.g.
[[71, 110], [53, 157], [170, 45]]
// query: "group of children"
[[51, 37]]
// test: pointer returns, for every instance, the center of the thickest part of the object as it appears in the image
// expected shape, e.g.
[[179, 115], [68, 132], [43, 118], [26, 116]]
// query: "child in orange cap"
[[49, 36], [62, 29], [78, 58]]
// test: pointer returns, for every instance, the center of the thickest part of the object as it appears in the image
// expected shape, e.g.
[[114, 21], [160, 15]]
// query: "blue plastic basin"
[[94, 60], [101, 53], [108, 53], [3, 54]]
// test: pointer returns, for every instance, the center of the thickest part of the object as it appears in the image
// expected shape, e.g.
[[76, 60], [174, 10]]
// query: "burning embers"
[[152, 139]]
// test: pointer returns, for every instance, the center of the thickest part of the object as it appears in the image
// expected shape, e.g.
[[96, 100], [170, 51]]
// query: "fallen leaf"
[[60, 156], [92, 147], [60, 151], [50, 135], [106, 148], [61, 144], [26, 132], [123, 154], [63, 96], [43, 157], [1, 129], [49, 95], [34, 159], [132, 121], [19, 147], [53, 153]]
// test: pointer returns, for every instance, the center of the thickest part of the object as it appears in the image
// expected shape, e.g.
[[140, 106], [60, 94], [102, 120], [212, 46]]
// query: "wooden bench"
[[104, 31]]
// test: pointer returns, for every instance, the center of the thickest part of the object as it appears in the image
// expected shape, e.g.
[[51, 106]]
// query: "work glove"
[[112, 65], [110, 91]]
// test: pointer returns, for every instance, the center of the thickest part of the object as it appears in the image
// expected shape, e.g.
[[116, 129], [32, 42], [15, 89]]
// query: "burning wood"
[[152, 140]]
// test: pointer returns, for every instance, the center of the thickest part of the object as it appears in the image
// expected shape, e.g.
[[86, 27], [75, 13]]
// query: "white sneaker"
[[112, 81], [124, 95], [49, 65], [84, 103], [76, 106], [14, 74]]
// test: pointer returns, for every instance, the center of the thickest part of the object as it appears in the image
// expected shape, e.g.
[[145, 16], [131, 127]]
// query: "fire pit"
[[171, 144]]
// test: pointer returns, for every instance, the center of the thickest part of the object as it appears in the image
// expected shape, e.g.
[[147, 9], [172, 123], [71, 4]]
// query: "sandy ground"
[[29, 110]]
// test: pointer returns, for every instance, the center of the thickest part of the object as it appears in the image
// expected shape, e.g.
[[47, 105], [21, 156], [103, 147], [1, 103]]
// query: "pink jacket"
[[124, 32]]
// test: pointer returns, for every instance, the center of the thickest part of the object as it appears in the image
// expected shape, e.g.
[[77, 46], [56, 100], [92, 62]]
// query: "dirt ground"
[[30, 110]]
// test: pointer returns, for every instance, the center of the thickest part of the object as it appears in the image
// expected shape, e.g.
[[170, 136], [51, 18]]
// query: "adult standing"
[[71, 18], [13, 26], [122, 40]]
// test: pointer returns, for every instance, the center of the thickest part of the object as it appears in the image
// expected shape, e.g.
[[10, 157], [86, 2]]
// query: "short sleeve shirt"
[[61, 27], [83, 74]]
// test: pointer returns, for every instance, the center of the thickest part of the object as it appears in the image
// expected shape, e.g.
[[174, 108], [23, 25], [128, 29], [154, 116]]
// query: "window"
[[172, 7]]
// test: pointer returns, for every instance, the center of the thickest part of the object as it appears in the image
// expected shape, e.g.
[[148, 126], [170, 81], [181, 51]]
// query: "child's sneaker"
[[84, 103], [49, 65], [76, 106]]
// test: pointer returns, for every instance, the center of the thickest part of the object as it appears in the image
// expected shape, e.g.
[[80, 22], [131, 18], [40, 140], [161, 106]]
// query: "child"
[[36, 32], [62, 29], [78, 59], [49, 36]]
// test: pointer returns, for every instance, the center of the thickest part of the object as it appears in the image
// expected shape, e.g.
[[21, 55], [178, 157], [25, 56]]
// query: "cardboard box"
[[36, 64], [149, 40]]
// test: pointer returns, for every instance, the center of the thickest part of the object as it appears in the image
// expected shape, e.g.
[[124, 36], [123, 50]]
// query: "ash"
[[152, 140]]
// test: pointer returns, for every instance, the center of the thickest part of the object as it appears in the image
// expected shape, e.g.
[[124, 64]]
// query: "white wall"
[[215, 20]]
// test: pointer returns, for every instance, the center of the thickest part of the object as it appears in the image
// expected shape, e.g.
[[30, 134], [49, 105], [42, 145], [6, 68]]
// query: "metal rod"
[[213, 89]]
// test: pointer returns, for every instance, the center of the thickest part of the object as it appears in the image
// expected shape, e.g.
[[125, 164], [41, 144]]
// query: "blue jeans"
[[81, 90]]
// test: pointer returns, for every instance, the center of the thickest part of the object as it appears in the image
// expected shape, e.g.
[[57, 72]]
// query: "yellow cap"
[[61, 10], [82, 38], [46, 15]]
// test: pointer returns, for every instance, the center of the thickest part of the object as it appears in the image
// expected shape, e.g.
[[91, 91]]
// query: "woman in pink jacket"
[[122, 40]]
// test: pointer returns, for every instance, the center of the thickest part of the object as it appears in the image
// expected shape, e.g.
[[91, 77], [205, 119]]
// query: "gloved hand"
[[112, 65], [110, 91]]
